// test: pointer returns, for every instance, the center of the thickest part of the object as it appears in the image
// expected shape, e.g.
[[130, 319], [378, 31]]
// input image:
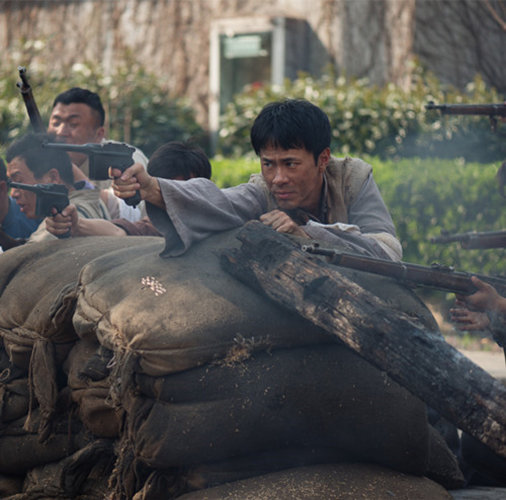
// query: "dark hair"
[[291, 124], [77, 94], [3, 170], [176, 158], [41, 160]]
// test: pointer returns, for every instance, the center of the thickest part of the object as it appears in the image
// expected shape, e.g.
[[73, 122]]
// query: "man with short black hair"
[[78, 117], [15, 227], [28, 162], [302, 190]]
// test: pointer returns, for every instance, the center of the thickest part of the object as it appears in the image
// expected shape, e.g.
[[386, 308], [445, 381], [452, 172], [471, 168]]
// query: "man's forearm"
[[153, 194], [97, 227]]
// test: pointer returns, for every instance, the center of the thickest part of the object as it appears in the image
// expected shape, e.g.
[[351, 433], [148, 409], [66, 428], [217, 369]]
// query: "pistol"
[[49, 197], [101, 157]]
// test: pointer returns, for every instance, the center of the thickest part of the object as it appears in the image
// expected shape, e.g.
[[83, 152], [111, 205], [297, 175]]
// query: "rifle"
[[473, 239], [435, 276], [101, 157], [490, 110], [49, 197], [30, 104]]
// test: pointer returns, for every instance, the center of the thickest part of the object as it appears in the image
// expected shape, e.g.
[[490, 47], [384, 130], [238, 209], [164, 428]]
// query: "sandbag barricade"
[[207, 371], [37, 300]]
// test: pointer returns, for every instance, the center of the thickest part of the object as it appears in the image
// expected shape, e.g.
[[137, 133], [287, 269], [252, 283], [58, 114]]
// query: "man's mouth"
[[283, 195]]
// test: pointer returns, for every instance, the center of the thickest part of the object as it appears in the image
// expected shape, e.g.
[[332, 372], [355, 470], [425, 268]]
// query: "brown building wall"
[[366, 38]]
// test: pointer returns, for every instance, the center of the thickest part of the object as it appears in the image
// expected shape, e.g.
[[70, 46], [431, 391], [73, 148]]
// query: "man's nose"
[[280, 176], [61, 129]]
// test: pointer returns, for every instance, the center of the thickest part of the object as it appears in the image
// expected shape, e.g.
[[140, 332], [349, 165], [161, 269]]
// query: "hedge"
[[138, 109], [383, 121]]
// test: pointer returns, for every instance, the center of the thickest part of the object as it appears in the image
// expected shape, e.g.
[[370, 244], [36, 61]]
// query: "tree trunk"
[[419, 360]]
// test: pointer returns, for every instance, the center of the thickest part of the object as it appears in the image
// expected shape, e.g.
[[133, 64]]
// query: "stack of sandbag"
[[217, 383], [37, 299]]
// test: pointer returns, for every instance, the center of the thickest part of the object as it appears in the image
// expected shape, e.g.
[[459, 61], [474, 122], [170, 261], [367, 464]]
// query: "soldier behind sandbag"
[[28, 162], [15, 226], [78, 117]]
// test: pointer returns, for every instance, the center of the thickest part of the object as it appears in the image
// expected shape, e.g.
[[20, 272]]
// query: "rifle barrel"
[[495, 109], [436, 276]]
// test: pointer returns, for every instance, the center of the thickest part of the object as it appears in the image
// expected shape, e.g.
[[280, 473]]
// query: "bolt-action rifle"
[[490, 110], [435, 276], [50, 197], [101, 158], [30, 104], [472, 239]]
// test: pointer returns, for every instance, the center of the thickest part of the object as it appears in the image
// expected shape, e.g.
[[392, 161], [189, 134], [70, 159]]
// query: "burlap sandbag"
[[95, 409], [173, 314], [37, 290], [37, 299], [323, 482], [318, 396], [83, 475], [21, 450], [14, 400]]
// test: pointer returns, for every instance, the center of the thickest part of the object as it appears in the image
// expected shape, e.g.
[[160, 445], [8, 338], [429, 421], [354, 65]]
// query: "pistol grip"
[[65, 235], [134, 200]]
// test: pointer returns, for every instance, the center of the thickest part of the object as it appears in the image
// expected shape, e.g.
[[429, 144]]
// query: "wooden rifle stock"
[[436, 276], [30, 104]]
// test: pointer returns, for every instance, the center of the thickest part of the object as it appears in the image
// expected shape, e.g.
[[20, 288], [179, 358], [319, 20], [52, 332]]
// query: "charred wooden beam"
[[400, 345]]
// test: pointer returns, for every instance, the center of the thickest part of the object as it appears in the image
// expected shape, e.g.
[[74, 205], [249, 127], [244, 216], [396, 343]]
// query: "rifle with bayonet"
[[435, 276], [30, 104], [490, 110], [102, 157], [473, 239], [50, 198]]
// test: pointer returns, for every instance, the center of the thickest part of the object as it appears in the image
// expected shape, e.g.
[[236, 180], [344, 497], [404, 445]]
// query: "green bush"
[[425, 196], [384, 121], [138, 109]]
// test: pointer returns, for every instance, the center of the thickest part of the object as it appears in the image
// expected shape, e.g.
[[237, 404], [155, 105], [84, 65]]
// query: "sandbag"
[[95, 409], [177, 313], [37, 290], [84, 474], [21, 450], [321, 482], [14, 400], [318, 396]]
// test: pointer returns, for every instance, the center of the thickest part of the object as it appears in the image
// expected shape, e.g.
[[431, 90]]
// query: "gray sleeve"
[[369, 211], [351, 242], [197, 208]]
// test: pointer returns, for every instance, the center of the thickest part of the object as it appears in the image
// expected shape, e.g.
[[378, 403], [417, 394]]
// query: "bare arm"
[[69, 219]]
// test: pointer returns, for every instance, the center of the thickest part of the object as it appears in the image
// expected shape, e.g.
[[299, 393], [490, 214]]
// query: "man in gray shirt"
[[302, 190]]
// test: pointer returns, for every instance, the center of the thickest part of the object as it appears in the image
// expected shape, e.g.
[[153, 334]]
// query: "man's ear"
[[99, 134], [51, 177], [323, 159], [3, 187]]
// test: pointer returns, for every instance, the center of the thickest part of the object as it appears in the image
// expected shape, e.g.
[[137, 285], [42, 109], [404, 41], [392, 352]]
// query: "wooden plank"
[[401, 346]]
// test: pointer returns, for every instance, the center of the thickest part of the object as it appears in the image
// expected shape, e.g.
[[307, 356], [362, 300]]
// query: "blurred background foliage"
[[384, 121], [138, 109]]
